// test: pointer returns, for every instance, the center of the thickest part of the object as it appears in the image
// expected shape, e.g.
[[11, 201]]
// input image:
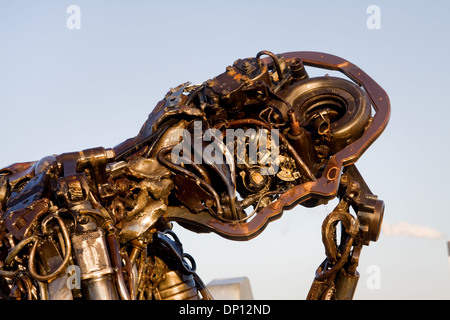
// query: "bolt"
[[294, 123], [257, 178]]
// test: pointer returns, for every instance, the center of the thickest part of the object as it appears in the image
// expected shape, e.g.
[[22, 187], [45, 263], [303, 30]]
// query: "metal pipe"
[[301, 139], [275, 61], [61, 268], [116, 262], [176, 168], [131, 275], [298, 160], [8, 274], [91, 253], [9, 259]]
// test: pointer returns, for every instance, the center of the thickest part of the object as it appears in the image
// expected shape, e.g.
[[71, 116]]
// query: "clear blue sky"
[[65, 90]]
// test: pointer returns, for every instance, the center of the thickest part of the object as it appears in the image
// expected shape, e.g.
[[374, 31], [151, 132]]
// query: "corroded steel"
[[227, 156]]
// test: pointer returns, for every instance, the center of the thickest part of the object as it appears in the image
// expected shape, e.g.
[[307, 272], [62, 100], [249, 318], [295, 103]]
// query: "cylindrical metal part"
[[99, 288], [294, 123], [138, 246], [116, 262], [177, 286], [298, 69], [301, 140], [346, 286], [95, 267]]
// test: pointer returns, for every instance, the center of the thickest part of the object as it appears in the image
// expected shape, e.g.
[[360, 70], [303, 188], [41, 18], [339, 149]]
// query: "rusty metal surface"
[[227, 156]]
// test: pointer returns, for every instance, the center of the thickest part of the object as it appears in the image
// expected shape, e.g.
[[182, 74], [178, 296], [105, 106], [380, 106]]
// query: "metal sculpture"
[[96, 224]]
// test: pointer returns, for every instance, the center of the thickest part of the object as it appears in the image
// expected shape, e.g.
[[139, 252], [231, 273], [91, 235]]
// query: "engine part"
[[176, 286], [93, 260]]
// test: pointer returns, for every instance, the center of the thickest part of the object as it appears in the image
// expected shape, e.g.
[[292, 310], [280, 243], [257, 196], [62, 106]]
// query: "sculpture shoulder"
[[176, 102], [22, 181], [14, 177]]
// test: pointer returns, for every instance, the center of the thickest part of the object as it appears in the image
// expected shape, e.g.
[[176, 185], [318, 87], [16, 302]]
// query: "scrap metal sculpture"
[[96, 224]]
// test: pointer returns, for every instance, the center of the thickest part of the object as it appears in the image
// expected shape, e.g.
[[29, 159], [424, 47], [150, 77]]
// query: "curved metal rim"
[[326, 186]]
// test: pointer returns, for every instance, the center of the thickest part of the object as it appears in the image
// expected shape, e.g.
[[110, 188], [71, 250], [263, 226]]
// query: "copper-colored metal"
[[262, 134], [294, 124]]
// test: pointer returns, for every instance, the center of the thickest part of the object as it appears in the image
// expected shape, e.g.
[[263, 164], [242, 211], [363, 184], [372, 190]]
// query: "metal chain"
[[327, 283]]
